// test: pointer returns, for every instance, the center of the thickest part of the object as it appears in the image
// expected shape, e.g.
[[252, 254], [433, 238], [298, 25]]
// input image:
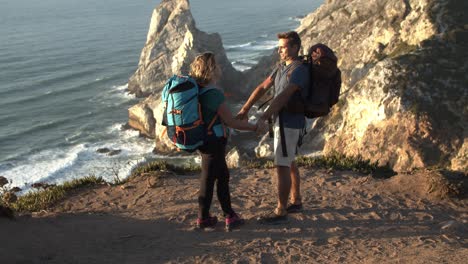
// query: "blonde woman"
[[206, 72]]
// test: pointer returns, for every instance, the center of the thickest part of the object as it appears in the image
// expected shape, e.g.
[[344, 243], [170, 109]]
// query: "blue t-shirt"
[[300, 77]]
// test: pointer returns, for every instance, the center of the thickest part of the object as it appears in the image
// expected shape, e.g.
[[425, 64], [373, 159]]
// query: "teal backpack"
[[183, 116]]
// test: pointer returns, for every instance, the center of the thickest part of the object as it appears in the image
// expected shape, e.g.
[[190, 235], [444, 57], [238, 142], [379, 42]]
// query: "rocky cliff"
[[404, 94], [172, 43]]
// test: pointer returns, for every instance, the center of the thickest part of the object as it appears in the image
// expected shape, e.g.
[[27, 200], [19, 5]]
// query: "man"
[[291, 80]]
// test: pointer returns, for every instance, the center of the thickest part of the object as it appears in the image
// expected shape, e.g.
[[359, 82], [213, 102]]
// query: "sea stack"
[[172, 43]]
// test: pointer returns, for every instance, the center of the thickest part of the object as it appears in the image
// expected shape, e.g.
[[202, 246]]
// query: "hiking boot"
[[233, 220], [294, 208], [272, 219], [207, 222]]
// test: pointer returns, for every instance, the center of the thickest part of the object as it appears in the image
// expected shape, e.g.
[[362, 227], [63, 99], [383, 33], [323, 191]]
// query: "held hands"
[[261, 127], [242, 115]]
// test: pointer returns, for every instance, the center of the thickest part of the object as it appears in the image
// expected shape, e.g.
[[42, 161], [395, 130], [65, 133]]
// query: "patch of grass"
[[334, 161], [42, 199], [402, 48], [259, 163], [337, 161], [164, 166]]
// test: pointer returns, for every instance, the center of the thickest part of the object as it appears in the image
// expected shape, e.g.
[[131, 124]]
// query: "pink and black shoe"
[[233, 220], [209, 222]]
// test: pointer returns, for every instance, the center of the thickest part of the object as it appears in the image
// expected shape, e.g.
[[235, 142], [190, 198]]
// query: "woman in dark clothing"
[[214, 169]]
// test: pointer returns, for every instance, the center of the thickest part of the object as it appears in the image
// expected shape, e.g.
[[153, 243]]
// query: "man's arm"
[[259, 91], [280, 101]]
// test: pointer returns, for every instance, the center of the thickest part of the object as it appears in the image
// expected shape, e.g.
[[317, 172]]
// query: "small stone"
[[103, 150], [3, 181], [114, 152]]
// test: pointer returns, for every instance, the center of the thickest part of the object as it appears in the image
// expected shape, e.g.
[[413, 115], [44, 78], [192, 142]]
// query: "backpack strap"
[[282, 136], [284, 149], [264, 103], [210, 126], [295, 65]]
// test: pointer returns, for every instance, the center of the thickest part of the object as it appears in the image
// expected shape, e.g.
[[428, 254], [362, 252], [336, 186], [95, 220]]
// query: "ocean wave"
[[297, 18], [41, 166], [40, 127], [245, 61], [237, 46], [266, 45], [242, 68], [7, 119], [73, 138], [84, 86], [122, 132], [243, 65], [67, 163], [114, 96], [124, 90], [252, 46]]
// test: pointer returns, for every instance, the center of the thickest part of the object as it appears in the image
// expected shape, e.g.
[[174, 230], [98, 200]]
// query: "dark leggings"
[[213, 169]]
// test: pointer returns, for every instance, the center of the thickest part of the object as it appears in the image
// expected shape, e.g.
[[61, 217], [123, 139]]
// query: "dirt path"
[[348, 218]]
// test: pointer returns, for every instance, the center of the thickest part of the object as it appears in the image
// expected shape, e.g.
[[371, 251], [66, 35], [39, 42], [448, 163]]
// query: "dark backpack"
[[182, 114], [325, 84]]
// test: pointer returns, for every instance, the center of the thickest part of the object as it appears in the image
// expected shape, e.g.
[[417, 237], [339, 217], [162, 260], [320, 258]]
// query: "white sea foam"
[[42, 165], [113, 96], [252, 46], [245, 61], [241, 67], [296, 18], [74, 137], [120, 87], [123, 92], [67, 163], [266, 45], [237, 46]]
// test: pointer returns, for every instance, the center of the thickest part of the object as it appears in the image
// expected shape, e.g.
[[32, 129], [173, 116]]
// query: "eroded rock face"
[[172, 43], [141, 117]]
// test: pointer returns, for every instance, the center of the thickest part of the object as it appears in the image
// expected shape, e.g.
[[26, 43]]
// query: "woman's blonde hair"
[[204, 69]]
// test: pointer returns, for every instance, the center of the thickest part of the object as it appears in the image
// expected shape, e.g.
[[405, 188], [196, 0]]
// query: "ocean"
[[64, 67]]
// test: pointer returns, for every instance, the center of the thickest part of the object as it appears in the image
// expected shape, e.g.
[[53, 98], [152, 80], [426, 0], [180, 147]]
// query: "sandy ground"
[[347, 218]]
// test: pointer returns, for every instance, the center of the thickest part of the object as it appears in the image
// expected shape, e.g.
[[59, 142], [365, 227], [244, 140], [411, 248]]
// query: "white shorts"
[[291, 136]]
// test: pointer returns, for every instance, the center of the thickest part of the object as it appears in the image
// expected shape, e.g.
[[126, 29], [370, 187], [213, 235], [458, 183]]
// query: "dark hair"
[[292, 36]]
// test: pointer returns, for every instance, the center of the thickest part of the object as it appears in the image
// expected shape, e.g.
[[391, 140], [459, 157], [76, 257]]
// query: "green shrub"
[[259, 163], [41, 199], [339, 161], [164, 166]]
